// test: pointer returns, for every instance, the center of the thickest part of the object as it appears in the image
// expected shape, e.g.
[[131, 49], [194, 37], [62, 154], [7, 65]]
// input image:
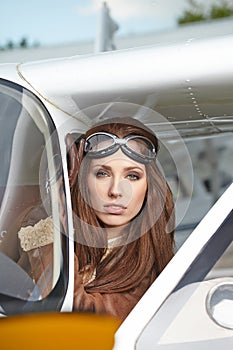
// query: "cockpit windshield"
[[32, 198]]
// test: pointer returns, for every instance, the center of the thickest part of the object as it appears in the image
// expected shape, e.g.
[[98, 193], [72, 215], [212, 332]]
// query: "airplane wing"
[[188, 85]]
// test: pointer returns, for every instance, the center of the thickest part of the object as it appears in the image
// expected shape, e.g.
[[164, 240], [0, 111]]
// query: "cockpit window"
[[32, 198]]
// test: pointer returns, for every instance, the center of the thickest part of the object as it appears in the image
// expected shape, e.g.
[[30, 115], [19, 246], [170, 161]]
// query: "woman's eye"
[[133, 176], [101, 173]]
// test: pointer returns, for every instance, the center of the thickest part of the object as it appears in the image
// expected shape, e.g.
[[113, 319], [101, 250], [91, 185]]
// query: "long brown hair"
[[146, 256]]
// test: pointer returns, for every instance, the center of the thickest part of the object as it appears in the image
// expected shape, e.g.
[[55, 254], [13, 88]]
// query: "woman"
[[123, 219], [122, 209]]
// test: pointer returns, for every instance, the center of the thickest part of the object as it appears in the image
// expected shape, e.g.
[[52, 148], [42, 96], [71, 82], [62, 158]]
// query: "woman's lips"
[[116, 209]]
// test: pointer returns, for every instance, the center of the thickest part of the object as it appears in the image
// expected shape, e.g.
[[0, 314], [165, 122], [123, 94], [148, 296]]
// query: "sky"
[[51, 22]]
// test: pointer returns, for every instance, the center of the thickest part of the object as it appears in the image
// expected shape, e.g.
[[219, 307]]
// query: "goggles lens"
[[98, 143], [137, 147]]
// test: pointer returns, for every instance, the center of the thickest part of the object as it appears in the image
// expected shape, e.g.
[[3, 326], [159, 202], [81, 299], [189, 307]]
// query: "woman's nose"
[[115, 188]]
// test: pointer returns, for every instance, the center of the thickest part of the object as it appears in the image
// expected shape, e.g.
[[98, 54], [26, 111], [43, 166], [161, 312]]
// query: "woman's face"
[[117, 187]]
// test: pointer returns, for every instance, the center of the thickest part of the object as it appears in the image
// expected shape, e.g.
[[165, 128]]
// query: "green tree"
[[23, 43], [194, 14], [10, 45], [223, 9]]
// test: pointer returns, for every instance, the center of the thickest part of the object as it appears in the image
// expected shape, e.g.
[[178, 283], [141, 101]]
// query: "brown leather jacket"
[[37, 259], [116, 304]]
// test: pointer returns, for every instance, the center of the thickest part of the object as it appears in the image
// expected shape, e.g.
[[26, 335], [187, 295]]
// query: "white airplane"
[[181, 91]]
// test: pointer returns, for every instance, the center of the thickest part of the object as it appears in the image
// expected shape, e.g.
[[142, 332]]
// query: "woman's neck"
[[115, 232]]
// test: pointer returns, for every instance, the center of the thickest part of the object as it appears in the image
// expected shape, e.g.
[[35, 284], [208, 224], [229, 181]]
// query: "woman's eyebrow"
[[102, 166], [135, 167]]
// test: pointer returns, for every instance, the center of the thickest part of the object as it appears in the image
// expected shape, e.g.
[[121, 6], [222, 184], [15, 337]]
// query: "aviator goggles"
[[137, 147]]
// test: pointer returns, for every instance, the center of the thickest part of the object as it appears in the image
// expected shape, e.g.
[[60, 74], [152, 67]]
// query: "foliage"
[[196, 13], [22, 44], [224, 9], [10, 45]]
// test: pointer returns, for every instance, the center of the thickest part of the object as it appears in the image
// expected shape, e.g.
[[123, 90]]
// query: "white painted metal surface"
[[190, 84]]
